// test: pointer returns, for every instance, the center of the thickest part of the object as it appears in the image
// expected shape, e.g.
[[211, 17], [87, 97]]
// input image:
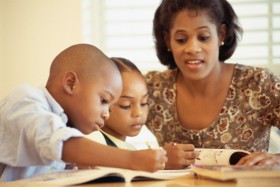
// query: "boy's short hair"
[[84, 59]]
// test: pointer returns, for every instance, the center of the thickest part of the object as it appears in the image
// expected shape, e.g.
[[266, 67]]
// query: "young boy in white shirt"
[[42, 129]]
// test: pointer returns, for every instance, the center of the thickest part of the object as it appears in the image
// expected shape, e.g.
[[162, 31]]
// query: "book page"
[[219, 156], [72, 177], [132, 175], [68, 177]]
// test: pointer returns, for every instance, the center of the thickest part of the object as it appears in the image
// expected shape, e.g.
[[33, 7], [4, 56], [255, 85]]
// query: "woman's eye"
[[181, 40], [203, 38], [125, 107]]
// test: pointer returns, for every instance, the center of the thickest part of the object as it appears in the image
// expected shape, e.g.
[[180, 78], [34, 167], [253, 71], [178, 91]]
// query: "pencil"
[[148, 144]]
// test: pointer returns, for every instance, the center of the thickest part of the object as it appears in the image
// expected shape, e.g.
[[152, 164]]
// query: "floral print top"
[[252, 106]]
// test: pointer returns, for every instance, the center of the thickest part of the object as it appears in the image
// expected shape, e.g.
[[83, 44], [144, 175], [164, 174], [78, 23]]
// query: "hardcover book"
[[237, 172]]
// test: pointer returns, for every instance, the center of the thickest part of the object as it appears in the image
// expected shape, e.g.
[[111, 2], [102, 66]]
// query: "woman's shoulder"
[[252, 69], [254, 72], [153, 76]]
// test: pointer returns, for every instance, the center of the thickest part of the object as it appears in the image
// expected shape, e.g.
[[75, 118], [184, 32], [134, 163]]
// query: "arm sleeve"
[[31, 134]]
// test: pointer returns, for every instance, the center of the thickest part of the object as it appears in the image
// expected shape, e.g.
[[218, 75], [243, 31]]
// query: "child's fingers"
[[162, 158]]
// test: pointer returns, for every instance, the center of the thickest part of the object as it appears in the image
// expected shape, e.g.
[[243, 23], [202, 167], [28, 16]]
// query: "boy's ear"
[[70, 80]]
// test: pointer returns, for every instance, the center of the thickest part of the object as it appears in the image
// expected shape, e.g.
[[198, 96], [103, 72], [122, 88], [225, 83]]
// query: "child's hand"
[[179, 155], [260, 159], [148, 160]]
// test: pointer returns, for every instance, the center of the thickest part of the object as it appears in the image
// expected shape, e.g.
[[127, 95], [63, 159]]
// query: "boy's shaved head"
[[83, 59], [85, 83]]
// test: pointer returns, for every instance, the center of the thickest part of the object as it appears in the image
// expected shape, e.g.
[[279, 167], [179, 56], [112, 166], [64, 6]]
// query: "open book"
[[237, 172], [102, 174], [219, 156]]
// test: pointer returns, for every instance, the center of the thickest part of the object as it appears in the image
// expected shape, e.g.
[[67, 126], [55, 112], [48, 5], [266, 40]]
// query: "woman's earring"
[[222, 43], [168, 50]]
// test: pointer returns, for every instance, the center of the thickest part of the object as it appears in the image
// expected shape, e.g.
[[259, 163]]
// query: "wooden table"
[[186, 181]]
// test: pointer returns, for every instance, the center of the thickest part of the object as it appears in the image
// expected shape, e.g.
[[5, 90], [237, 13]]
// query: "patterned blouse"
[[244, 122]]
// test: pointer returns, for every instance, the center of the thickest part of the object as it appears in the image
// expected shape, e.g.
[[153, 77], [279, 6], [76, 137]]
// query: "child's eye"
[[104, 101], [144, 104], [125, 107]]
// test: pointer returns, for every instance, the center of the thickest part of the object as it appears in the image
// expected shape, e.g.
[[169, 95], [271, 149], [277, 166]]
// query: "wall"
[[32, 33], [1, 46]]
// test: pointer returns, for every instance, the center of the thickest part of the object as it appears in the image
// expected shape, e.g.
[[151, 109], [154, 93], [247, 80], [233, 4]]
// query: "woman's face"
[[194, 42], [130, 112]]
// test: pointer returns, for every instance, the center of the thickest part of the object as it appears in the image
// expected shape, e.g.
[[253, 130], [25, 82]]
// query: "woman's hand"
[[179, 155], [260, 159]]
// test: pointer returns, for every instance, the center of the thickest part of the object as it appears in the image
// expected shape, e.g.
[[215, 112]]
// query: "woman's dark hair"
[[219, 11], [125, 65]]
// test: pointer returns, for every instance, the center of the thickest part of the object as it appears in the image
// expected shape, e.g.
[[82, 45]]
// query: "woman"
[[201, 101]]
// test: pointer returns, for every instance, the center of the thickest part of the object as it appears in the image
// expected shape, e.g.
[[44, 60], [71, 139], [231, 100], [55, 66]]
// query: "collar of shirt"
[[120, 143], [55, 106]]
